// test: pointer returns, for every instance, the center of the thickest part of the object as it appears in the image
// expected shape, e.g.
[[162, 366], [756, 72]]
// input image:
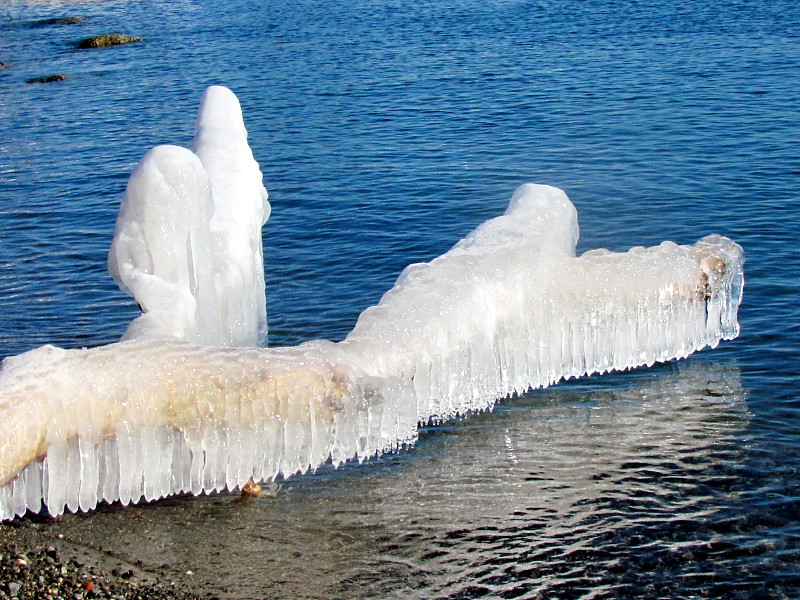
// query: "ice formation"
[[187, 244], [509, 308], [240, 211]]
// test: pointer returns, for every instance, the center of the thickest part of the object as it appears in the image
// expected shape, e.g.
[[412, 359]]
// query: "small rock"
[[251, 488], [108, 39], [48, 78], [72, 20], [13, 588]]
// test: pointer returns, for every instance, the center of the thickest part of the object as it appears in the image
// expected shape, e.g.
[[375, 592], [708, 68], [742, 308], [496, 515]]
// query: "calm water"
[[387, 130]]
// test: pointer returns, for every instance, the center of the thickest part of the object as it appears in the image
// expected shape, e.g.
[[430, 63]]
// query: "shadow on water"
[[620, 486]]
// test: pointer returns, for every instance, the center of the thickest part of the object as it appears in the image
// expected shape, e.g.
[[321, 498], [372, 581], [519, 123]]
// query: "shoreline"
[[38, 565]]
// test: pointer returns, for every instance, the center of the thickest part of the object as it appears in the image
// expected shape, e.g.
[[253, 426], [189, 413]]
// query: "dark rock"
[[107, 39], [72, 20], [48, 78], [123, 574]]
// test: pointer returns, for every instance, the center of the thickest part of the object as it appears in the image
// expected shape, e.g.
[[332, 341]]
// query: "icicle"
[[89, 478], [18, 492], [33, 488], [109, 476], [53, 478], [180, 473]]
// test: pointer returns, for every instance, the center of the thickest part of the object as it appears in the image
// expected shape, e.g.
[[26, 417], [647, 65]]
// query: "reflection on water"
[[601, 485]]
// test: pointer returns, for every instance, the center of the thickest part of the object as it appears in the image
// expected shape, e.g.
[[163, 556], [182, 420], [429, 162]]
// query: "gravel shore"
[[37, 567]]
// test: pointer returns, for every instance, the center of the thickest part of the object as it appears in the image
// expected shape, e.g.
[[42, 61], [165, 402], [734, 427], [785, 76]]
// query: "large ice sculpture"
[[188, 240], [509, 308]]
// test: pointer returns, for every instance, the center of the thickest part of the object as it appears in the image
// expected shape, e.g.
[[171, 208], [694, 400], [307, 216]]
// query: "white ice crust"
[[509, 308]]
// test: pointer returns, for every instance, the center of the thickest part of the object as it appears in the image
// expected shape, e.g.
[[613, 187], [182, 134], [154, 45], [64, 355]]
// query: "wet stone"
[[70, 20], [47, 78], [107, 39]]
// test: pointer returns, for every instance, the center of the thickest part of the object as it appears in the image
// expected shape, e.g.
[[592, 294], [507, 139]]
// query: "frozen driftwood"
[[509, 308]]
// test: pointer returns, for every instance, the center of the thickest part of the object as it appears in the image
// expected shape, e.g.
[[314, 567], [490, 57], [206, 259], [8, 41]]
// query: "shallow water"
[[386, 131]]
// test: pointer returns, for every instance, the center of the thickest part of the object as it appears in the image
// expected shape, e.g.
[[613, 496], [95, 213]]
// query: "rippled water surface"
[[386, 131]]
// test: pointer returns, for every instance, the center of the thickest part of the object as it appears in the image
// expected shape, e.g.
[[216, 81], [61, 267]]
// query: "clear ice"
[[175, 407]]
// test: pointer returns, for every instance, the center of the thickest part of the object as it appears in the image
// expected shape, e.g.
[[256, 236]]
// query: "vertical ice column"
[[162, 251], [240, 210], [188, 239]]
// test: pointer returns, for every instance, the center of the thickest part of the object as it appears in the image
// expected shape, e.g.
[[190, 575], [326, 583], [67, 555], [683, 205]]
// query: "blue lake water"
[[386, 131]]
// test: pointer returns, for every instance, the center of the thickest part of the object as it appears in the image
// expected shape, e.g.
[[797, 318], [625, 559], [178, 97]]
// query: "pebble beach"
[[35, 566]]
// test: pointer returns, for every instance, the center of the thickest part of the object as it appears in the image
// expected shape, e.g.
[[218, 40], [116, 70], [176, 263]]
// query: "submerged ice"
[[171, 409]]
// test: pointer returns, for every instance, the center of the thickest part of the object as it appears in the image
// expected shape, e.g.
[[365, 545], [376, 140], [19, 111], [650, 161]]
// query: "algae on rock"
[[107, 39]]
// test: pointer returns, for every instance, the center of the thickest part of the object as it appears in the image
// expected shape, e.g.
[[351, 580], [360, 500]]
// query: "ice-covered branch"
[[509, 308]]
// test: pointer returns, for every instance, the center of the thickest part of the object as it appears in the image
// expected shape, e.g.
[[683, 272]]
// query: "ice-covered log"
[[175, 408], [144, 419], [508, 308]]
